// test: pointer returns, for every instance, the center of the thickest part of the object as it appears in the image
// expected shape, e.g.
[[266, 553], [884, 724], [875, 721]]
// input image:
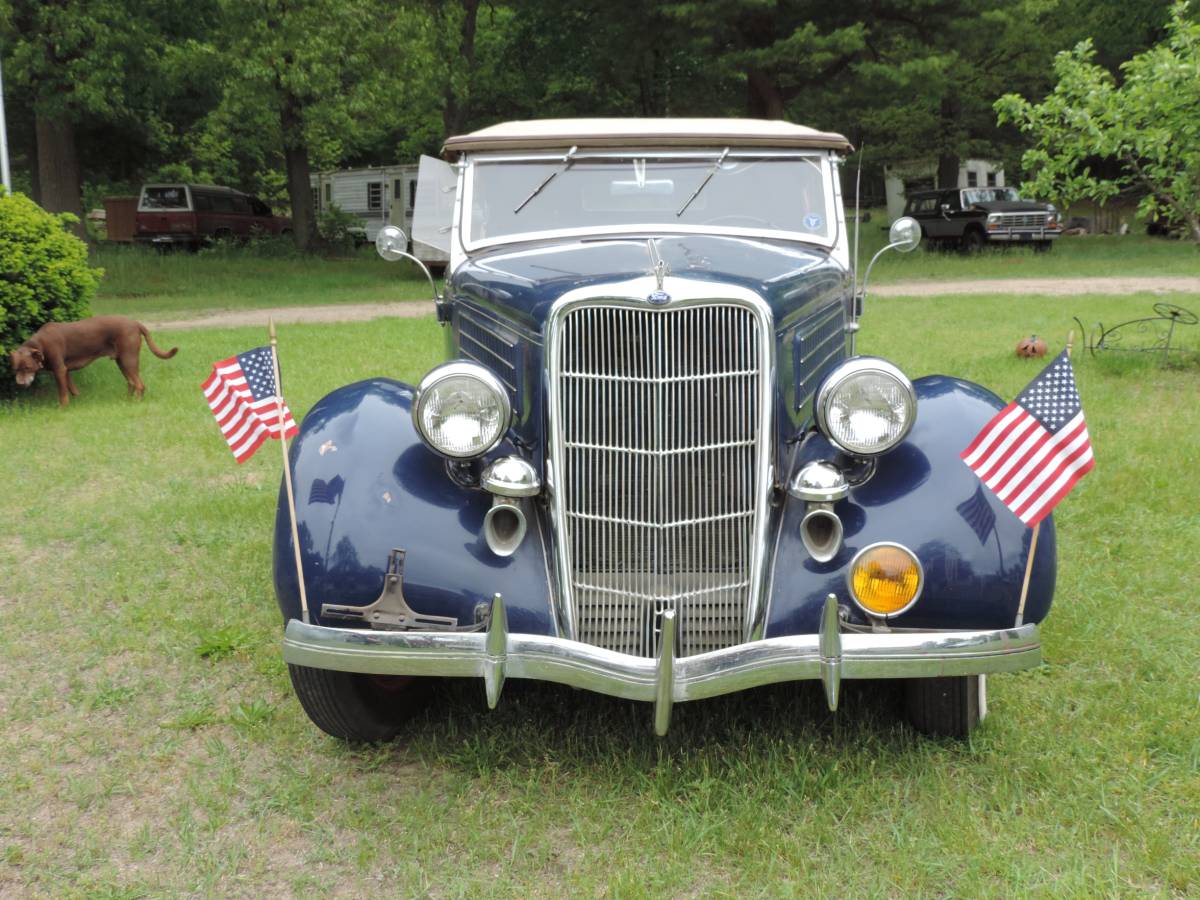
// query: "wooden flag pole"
[[287, 472], [1036, 530]]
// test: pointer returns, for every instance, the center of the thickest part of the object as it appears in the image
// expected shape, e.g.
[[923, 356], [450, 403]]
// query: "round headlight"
[[885, 579], [462, 410], [866, 406]]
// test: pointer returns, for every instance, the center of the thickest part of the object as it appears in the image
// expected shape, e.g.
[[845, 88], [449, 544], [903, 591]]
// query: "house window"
[[412, 194], [328, 192], [374, 195], [972, 178], [396, 189], [991, 178], [316, 198]]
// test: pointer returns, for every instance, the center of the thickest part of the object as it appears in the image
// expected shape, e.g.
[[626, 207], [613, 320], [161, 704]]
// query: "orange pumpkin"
[[1031, 346]]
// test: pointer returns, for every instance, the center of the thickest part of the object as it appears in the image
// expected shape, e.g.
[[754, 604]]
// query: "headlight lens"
[[885, 579], [866, 406], [462, 410]]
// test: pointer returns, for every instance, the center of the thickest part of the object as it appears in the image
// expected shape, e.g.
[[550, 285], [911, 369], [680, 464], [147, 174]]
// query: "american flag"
[[1034, 450], [241, 393]]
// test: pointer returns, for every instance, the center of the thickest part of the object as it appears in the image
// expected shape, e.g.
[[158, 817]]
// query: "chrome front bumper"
[[829, 656], [1024, 234]]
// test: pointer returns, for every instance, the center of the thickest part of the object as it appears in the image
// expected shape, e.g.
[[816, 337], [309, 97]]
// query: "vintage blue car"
[[653, 465]]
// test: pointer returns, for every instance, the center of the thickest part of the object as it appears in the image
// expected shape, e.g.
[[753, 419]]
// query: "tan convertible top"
[[561, 134]]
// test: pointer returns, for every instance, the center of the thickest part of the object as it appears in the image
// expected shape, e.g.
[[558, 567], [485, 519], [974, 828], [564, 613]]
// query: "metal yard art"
[[1151, 334]]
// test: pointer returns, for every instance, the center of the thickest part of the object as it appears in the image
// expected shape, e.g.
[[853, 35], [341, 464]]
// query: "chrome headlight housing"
[[866, 406], [462, 410]]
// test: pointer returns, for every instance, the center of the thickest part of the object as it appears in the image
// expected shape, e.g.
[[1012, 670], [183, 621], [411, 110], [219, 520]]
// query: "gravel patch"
[[1055, 287], [287, 315]]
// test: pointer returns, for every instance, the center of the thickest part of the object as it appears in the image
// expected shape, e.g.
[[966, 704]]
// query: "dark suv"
[[972, 217], [192, 214]]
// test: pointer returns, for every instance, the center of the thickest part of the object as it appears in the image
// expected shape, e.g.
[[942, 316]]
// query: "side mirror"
[[392, 244], [904, 235]]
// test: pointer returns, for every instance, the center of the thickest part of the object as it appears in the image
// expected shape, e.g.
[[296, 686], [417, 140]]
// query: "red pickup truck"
[[193, 214]]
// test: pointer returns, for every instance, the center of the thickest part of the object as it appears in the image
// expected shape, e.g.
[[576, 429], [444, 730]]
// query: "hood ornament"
[[660, 271]]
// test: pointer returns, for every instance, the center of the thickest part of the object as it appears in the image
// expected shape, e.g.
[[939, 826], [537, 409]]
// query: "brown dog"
[[63, 347]]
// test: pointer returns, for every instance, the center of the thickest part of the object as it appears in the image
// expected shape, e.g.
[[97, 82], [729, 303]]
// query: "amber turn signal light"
[[885, 579]]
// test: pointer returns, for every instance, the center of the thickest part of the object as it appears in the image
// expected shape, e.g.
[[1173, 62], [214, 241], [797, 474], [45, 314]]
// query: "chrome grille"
[[1023, 220], [658, 426]]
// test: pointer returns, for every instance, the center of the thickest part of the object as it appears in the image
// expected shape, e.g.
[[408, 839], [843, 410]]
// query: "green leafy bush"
[[340, 230], [44, 271]]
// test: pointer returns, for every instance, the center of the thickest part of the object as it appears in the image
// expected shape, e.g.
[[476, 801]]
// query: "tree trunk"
[[456, 108], [60, 188], [295, 154], [947, 172], [35, 181], [764, 100], [948, 158]]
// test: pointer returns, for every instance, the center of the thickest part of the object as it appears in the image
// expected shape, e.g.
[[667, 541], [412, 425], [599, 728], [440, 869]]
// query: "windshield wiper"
[[707, 178], [568, 161]]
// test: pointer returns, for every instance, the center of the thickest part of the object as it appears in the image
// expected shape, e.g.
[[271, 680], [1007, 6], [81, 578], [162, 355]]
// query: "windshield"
[[597, 195], [166, 197], [989, 195]]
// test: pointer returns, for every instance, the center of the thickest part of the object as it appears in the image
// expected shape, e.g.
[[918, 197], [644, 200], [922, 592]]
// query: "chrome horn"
[[820, 485], [509, 480], [504, 526]]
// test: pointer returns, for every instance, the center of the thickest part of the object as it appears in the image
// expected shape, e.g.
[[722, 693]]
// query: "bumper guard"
[[830, 656]]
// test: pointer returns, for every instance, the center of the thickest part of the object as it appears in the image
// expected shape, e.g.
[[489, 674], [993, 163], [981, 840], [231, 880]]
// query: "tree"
[[302, 74], [933, 69], [93, 66], [785, 51], [1148, 125]]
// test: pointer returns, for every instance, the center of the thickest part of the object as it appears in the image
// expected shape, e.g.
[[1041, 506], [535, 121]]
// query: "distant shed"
[[120, 215]]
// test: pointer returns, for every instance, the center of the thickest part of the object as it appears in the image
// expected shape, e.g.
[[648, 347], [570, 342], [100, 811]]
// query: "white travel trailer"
[[377, 196]]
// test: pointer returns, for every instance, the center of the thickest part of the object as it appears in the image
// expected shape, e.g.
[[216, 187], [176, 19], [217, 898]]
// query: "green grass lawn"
[[151, 744], [1086, 256], [142, 282]]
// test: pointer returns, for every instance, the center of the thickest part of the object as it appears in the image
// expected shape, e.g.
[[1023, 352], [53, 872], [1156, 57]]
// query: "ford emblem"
[[658, 298]]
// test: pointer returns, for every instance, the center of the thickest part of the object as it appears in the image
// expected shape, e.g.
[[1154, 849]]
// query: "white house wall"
[[348, 191]]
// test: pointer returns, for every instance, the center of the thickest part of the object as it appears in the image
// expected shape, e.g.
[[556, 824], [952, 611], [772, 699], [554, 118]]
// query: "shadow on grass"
[[730, 738]]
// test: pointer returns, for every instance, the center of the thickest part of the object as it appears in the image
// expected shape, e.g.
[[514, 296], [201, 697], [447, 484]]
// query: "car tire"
[[354, 707], [973, 241], [946, 707], [1041, 246]]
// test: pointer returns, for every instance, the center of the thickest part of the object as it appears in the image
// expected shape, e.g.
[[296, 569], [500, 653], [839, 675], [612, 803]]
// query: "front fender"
[[922, 495], [365, 483]]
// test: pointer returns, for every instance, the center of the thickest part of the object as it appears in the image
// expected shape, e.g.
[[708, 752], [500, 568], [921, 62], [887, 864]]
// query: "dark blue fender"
[[395, 492], [923, 496]]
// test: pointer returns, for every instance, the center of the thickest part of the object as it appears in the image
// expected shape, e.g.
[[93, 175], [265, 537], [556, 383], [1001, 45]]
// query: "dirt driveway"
[[362, 312], [1054, 287]]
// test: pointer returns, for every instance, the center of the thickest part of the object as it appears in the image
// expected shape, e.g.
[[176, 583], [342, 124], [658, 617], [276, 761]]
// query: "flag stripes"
[[1034, 450], [247, 411]]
